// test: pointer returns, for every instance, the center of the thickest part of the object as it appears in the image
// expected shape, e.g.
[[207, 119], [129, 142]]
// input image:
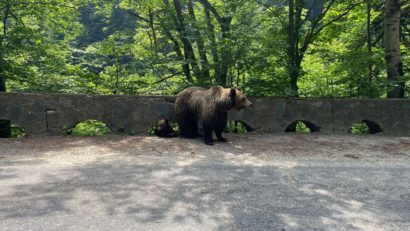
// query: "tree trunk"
[[293, 70], [200, 43], [392, 49], [5, 125], [226, 55], [2, 74], [2, 62], [370, 91], [154, 34], [117, 76], [296, 35], [177, 49], [294, 76], [212, 39], [188, 50]]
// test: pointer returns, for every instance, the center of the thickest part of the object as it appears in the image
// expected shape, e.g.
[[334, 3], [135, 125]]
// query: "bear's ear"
[[233, 92]]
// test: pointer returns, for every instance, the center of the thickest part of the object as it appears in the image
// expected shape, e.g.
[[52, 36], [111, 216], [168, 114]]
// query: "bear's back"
[[190, 100]]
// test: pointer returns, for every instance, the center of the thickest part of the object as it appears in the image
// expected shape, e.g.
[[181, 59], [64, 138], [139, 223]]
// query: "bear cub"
[[164, 129], [208, 106]]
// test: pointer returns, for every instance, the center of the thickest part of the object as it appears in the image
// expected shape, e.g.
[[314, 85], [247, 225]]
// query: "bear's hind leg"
[[195, 130], [208, 127], [189, 128]]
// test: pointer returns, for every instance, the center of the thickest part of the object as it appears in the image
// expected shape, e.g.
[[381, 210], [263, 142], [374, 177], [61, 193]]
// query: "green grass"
[[359, 128], [89, 128], [235, 127]]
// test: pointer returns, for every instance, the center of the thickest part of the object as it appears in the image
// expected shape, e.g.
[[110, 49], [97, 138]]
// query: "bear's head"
[[162, 123], [239, 99]]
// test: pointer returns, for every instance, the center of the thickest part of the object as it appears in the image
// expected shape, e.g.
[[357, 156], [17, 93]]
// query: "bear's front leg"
[[218, 132], [220, 138], [221, 125]]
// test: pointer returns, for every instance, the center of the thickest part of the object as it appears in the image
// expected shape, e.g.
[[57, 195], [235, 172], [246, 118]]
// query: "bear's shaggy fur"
[[209, 106], [164, 129]]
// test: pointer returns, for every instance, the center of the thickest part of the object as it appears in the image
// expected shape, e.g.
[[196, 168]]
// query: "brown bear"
[[209, 106], [164, 129]]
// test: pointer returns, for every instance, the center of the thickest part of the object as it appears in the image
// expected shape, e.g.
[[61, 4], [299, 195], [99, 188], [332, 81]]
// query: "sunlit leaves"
[[128, 47]]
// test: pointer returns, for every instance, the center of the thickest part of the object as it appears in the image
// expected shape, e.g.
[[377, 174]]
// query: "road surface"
[[253, 182]]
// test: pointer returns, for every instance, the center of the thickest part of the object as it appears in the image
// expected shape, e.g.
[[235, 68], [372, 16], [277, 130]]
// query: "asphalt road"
[[255, 182]]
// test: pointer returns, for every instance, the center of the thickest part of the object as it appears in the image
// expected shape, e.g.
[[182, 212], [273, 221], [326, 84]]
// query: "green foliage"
[[17, 131], [89, 128], [302, 128], [151, 131], [175, 126], [235, 126], [9, 129], [33, 42], [131, 47], [359, 129]]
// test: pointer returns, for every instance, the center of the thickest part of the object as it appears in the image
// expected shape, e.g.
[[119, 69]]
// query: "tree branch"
[[44, 3], [168, 77], [274, 12], [315, 29], [138, 16], [208, 5], [211, 8], [340, 16]]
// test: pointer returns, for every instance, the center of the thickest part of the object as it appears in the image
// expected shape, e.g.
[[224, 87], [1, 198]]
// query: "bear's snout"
[[248, 103]]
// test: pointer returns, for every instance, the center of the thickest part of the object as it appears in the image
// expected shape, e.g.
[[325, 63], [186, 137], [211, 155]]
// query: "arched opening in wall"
[[365, 127], [302, 126], [238, 126], [10, 129], [163, 128], [88, 128]]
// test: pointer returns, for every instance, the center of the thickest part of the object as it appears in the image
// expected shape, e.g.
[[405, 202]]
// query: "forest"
[[286, 48]]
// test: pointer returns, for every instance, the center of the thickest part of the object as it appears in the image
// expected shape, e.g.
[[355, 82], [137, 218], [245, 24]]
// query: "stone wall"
[[54, 113]]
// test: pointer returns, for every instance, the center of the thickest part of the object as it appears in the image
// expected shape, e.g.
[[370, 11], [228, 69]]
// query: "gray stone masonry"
[[54, 113]]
